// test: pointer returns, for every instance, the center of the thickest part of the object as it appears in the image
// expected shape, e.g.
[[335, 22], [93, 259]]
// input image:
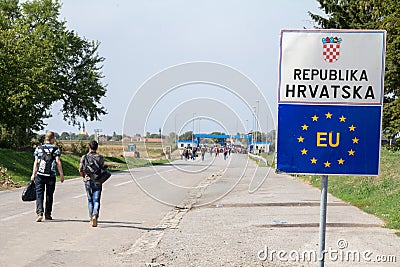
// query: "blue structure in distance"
[[197, 138]]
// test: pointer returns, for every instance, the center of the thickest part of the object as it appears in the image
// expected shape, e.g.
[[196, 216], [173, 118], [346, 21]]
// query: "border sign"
[[330, 101]]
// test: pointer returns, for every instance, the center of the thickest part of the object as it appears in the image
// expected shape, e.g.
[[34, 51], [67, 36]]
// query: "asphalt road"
[[126, 213]]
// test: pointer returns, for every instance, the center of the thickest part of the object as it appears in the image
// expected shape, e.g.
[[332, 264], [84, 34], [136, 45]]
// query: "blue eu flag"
[[329, 139]]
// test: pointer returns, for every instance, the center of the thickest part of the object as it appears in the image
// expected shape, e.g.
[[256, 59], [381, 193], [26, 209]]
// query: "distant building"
[[136, 138], [84, 131], [263, 146], [102, 138], [186, 143], [127, 139]]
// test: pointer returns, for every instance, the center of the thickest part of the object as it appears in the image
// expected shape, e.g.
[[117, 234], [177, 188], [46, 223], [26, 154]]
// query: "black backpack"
[[91, 167], [46, 161]]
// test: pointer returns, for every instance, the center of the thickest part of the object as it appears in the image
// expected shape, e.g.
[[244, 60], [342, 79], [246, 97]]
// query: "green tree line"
[[372, 14], [42, 62]]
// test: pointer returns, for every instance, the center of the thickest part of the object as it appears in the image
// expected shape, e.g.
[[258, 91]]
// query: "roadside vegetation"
[[270, 157], [376, 195]]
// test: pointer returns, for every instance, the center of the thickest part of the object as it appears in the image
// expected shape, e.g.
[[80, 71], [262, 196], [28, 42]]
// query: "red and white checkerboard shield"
[[331, 52]]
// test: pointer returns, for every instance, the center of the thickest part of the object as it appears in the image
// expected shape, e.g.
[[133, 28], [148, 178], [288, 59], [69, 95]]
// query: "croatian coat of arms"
[[331, 48]]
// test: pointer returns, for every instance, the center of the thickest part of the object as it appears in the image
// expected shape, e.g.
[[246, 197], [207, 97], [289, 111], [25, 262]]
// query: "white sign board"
[[332, 67], [330, 101]]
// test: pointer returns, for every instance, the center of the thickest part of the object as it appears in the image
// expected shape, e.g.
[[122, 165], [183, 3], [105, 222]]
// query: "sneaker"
[[48, 217], [94, 221], [39, 218]]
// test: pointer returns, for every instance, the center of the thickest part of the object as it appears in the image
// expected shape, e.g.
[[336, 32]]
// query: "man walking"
[[47, 157], [203, 152], [225, 152], [93, 190]]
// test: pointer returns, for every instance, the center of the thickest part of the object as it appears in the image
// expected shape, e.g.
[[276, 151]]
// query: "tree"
[[116, 137], [154, 135], [73, 136], [82, 137], [172, 136], [186, 136], [372, 14], [271, 137], [65, 136], [259, 136], [42, 62]]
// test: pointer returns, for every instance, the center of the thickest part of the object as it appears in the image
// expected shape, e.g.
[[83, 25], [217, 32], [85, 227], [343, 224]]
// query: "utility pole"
[[176, 134], [194, 114], [257, 119], [97, 134], [254, 135]]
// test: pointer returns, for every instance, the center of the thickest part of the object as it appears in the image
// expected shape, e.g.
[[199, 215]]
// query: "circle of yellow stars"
[[328, 116]]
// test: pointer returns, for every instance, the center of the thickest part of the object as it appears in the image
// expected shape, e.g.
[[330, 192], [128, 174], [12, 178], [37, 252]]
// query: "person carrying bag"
[[93, 174]]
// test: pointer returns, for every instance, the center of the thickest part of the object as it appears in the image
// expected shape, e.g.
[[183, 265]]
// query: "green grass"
[[379, 196], [138, 162], [19, 164], [269, 157]]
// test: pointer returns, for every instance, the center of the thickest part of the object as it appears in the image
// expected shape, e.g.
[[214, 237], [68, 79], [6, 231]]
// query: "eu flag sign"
[[328, 139], [330, 101]]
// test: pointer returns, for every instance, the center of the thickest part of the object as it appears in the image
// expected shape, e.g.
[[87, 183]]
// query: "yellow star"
[[304, 127], [328, 115], [351, 152], [304, 151], [314, 118], [352, 128], [327, 164], [313, 161], [355, 140], [340, 161], [300, 139], [342, 119]]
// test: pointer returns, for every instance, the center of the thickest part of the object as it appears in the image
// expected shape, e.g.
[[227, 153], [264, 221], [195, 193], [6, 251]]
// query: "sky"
[[140, 39]]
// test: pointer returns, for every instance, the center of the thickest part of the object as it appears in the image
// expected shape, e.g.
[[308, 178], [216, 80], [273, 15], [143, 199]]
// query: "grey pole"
[[193, 129], [176, 134], [322, 222]]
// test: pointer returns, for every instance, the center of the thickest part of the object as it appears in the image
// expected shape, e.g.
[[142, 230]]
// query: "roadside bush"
[[79, 149], [394, 147], [5, 180], [60, 145]]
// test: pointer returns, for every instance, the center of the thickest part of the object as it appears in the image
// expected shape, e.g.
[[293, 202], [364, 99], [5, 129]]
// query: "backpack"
[[91, 167], [46, 161]]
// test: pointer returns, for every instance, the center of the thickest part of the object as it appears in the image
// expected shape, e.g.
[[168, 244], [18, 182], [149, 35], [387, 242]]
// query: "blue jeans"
[[42, 184], [93, 193]]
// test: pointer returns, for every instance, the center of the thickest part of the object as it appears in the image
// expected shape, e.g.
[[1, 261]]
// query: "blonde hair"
[[49, 136]]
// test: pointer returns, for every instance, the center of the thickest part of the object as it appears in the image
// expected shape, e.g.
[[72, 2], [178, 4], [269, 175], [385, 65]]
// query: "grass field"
[[376, 195], [116, 148]]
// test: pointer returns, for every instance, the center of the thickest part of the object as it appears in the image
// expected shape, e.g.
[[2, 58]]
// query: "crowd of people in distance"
[[191, 153]]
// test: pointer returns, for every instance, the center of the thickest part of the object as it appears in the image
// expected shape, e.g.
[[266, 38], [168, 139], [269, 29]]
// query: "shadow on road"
[[111, 224]]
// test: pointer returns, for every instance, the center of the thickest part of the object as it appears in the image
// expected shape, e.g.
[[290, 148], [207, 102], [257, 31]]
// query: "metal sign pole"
[[322, 222]]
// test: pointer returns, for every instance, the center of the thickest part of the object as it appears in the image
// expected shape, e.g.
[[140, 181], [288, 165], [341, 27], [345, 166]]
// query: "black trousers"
[[44, 185]]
